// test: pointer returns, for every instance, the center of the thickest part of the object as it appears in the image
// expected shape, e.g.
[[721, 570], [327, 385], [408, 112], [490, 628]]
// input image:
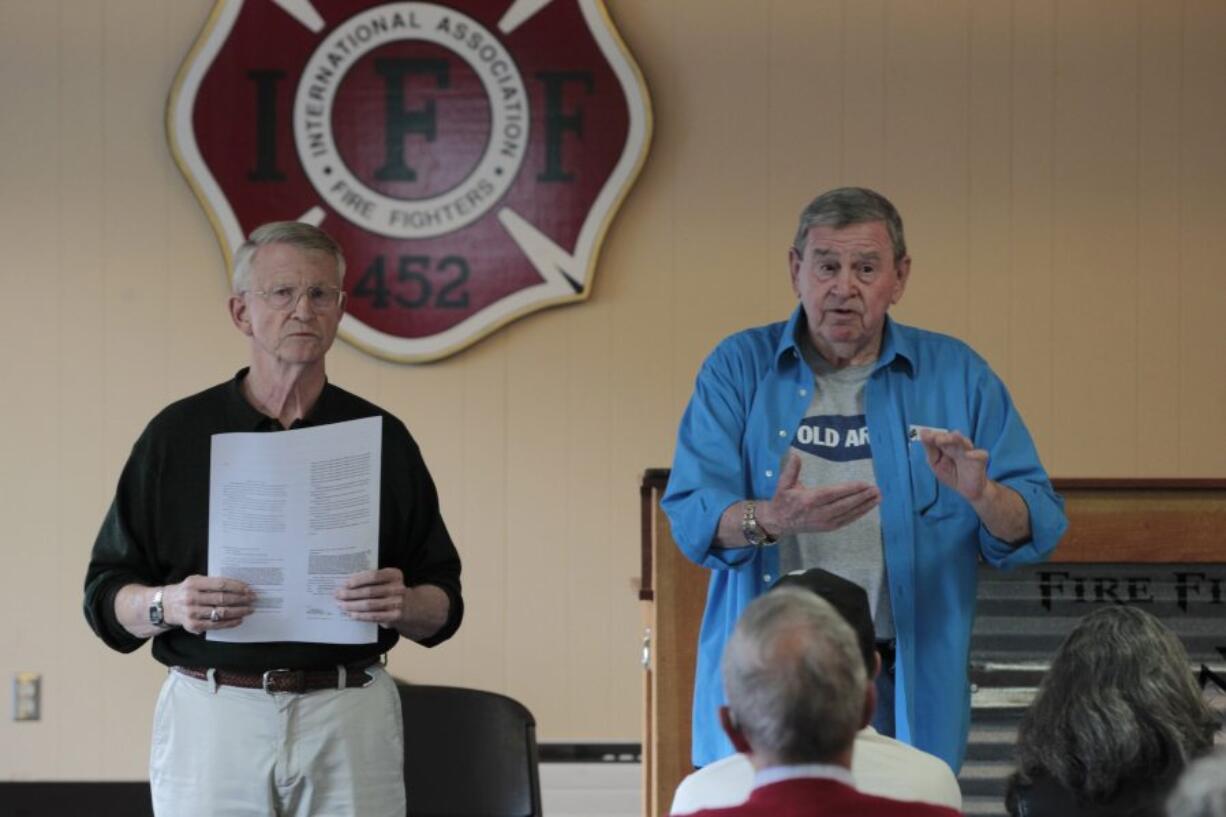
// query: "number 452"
[[415, 285]]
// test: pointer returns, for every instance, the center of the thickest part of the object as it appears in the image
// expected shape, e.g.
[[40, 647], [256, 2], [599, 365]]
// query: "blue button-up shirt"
[[750, 395]]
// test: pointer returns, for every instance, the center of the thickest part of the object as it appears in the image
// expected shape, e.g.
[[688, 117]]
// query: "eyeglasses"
[[321, 299]]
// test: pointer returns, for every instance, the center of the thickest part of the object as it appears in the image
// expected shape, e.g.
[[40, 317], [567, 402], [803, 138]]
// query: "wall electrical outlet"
[[27, 696]]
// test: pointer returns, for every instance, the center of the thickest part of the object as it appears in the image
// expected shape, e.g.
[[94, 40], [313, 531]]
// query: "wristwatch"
[[755, 534], [157, 615]]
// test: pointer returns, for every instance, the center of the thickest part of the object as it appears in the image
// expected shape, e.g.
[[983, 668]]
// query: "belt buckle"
[[279, 676]]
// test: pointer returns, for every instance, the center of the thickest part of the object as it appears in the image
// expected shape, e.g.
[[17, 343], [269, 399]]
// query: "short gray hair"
[[297, 234], [1118, 703], [1201, 791], [794, 678], [845, 206]]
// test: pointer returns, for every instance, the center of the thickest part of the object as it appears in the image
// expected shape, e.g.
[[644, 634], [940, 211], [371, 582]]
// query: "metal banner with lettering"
[[1023, 614], [469, 155]]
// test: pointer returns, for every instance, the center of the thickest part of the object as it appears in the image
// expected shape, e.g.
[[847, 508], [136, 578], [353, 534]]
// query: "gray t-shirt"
[[833, 445]]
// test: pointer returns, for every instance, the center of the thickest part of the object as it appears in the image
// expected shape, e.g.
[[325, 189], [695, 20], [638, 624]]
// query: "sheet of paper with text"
[[293, 514]]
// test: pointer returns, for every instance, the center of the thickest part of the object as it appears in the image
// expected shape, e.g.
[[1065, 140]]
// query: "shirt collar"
[[787, 343], [894, 344], [824, 771], [243, 415]]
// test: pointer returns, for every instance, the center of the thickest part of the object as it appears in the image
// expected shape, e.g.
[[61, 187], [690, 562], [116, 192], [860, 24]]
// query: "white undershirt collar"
[[776, 774]]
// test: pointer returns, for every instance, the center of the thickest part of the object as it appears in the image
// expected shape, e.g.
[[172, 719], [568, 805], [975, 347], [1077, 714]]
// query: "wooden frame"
[[669, 651], [1110, 521], [1143, 520]]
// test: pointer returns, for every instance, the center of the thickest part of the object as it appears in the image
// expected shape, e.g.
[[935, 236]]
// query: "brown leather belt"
[[288, 680]]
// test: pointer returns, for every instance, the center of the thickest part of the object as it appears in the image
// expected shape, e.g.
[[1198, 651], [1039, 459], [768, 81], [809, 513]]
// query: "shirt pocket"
[[932, 500]]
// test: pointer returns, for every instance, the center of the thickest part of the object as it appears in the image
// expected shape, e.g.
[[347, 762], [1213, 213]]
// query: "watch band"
[[755, 534], [157, 613]]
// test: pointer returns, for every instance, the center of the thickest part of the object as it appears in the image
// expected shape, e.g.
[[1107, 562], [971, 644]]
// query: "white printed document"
[[294, 514]]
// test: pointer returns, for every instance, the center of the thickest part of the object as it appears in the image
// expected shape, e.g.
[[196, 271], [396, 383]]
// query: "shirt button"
[[769, 472], [804, 392], [766, 577], [783, 432]]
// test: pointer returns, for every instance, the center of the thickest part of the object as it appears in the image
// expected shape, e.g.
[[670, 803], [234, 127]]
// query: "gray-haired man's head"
[[795, 679]]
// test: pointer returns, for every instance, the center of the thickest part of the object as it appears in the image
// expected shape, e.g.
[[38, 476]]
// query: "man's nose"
[[302, 306], [844, 282]]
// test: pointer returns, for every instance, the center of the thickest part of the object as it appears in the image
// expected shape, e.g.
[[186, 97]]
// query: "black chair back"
[[468, 753]]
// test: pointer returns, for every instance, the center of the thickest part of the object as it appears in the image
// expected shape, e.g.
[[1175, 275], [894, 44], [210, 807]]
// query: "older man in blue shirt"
[[889, 455]]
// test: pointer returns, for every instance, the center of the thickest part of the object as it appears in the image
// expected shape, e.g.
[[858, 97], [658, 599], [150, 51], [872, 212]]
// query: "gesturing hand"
[[374, 595], [956, 462], [796, 508], [200, 603]]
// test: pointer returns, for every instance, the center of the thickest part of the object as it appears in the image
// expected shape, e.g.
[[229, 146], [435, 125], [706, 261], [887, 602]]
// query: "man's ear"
[[903, 268], [794, 260], [239, 314], [870, 702], [732, 730]]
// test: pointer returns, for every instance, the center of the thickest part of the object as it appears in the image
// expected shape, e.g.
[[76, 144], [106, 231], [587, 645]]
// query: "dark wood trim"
[[646, 591], [654, 480], [658, 478], [1143, 521], [1110, 520]]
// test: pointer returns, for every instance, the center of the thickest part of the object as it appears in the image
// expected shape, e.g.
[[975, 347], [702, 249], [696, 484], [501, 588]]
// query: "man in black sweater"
[[285, 727]]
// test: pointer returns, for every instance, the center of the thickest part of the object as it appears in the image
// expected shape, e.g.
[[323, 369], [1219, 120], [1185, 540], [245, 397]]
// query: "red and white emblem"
[[467, 154]]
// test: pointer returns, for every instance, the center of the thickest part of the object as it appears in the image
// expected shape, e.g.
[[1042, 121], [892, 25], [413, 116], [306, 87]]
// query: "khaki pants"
[[222, 751]]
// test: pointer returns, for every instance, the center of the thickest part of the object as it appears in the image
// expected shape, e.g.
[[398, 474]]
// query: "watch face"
[[155, 615], [753, 534]]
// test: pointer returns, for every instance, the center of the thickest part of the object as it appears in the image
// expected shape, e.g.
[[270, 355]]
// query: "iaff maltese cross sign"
[[468, 155]]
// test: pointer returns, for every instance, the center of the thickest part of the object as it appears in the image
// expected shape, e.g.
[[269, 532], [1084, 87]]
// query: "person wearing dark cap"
[[798, 692], [880, 765]]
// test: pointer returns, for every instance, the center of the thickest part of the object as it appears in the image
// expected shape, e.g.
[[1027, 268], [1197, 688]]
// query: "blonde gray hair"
[[845, 206], [794, 678], [298, 234]]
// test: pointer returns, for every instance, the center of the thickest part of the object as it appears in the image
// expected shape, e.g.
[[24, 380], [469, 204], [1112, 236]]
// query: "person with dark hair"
[[797, 694], [879, 765], [1116, 718], [888, 455], [283, 727]]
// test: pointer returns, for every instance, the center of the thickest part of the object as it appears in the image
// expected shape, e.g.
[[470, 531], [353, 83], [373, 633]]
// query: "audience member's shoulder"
[[888, 767], [726, 782], [1201, 789]]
